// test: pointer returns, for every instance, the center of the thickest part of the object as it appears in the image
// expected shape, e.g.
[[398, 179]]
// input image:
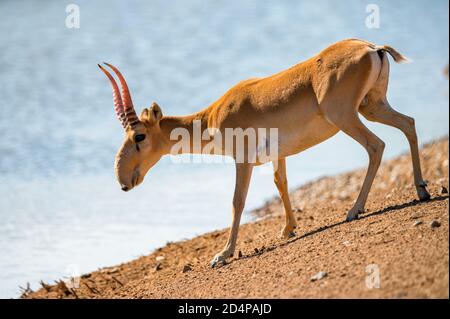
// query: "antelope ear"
[[152, 115]]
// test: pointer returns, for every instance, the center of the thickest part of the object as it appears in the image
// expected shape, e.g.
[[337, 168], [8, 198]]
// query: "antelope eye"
[[139, 138]]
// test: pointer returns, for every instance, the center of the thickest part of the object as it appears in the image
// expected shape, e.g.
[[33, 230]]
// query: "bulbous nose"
[[125, 188]]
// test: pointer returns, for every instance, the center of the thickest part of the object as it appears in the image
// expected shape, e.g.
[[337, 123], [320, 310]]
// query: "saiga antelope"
[[308, 103]]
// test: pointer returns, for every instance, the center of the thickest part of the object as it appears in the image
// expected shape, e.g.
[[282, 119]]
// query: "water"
[[61, 209]]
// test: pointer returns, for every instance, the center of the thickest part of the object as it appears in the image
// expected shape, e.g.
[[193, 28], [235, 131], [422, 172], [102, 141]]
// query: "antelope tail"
[[397, 56]]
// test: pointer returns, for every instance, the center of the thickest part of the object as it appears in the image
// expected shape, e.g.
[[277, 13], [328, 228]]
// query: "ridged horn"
[[128, 107], [118, 105]]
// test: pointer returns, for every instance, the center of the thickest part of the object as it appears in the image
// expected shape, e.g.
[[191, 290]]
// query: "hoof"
[[287, 234], [292, 234], [422, 192], [351, 217], [353, 214], [424, 195], [218, 261]]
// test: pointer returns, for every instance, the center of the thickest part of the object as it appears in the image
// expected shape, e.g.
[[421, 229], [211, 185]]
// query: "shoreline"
[[395, 234]]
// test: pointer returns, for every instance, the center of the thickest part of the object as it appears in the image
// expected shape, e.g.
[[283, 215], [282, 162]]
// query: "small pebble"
[[416, 215], [160, 258], [435, 224], [158, 267], [417, 223], [320, 275], [256, 250], [444, 190], [186, 268]]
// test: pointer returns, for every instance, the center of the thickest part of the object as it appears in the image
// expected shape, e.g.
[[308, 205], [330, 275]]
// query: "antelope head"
[[143, 144]]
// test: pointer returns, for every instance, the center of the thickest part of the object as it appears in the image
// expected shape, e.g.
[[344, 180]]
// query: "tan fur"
[[308, 103]]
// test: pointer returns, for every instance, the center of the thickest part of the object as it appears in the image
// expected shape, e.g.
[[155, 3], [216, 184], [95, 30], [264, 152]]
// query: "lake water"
[[61, 209]]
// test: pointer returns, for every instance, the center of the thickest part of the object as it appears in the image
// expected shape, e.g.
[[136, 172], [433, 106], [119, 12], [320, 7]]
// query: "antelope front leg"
[[243, 175]]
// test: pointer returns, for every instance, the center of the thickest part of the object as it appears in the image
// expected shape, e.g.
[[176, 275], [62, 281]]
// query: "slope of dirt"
[[393, 239]]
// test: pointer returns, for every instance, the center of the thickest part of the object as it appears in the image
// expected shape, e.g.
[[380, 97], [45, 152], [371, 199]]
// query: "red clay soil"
[[402, 240]]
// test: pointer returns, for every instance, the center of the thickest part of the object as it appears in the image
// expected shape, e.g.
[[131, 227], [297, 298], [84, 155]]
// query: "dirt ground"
[[398, 249]]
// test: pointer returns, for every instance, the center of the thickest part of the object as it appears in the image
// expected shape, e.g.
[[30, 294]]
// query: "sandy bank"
[[394, 238]]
